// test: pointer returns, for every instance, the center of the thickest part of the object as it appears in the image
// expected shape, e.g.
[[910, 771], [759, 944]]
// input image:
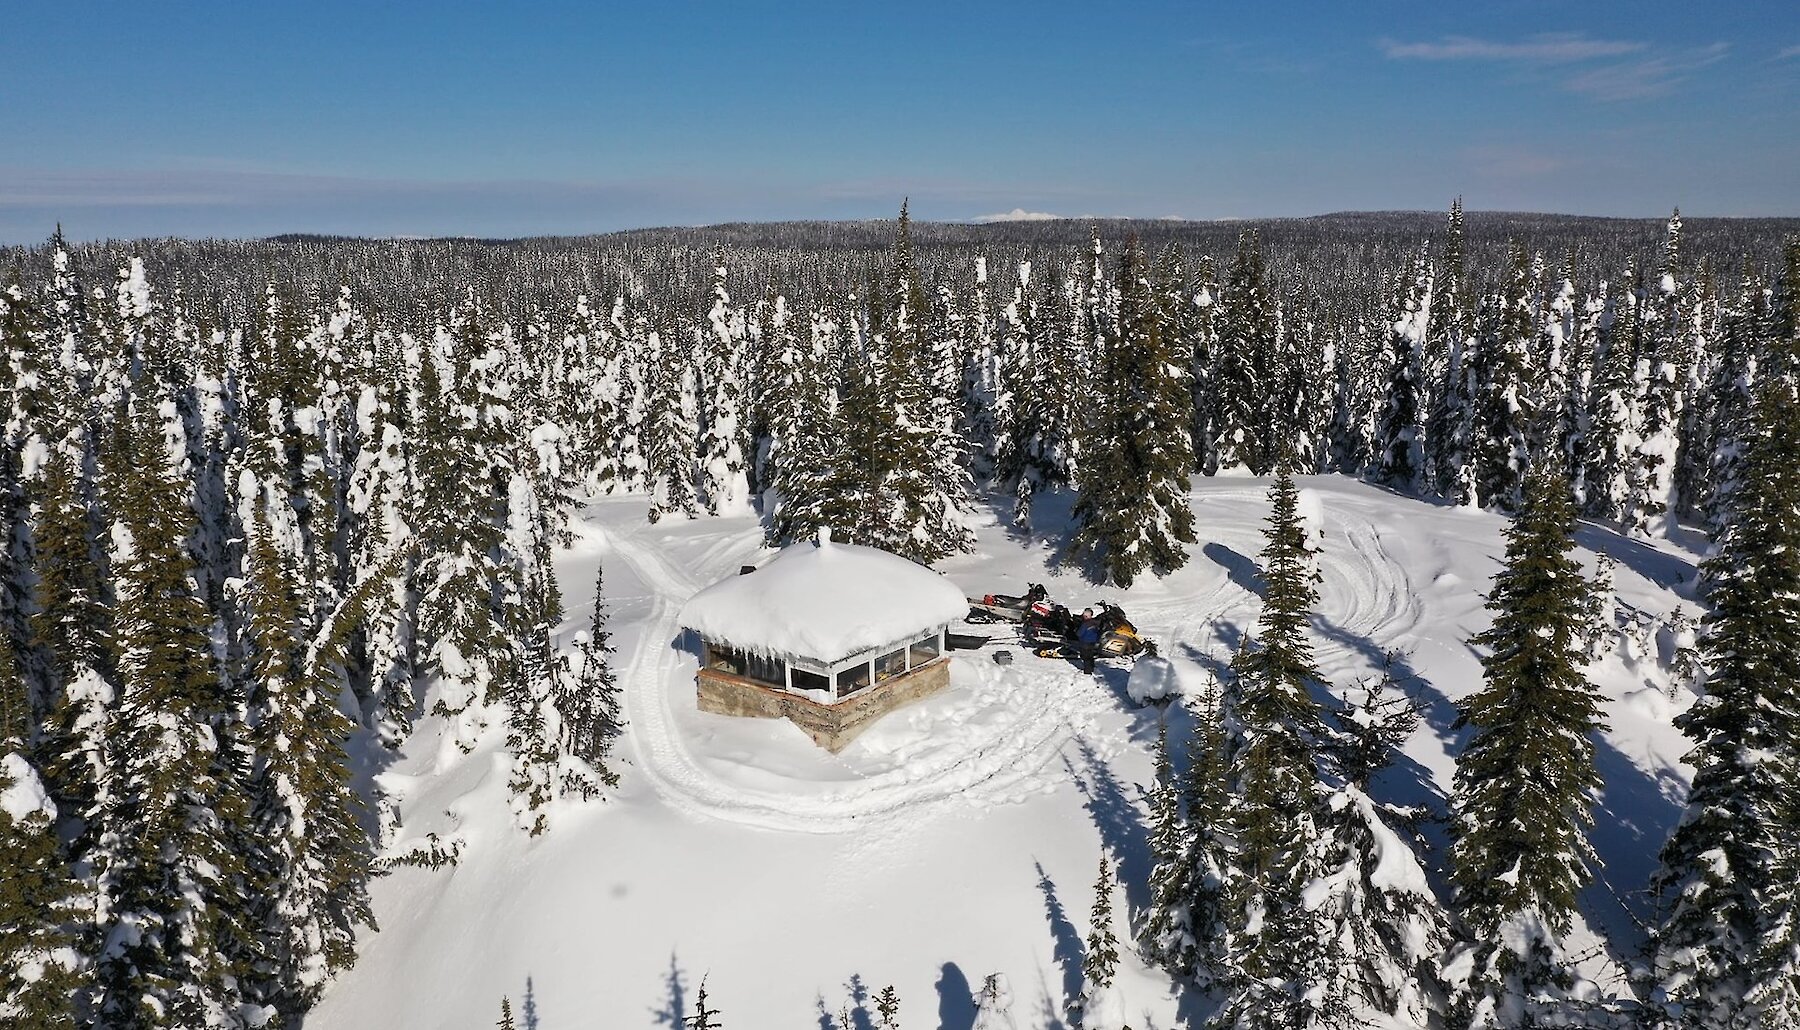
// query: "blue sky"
[[392, 118]]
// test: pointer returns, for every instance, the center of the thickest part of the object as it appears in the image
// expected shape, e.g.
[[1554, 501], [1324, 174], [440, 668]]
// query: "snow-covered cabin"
[[831, 636]]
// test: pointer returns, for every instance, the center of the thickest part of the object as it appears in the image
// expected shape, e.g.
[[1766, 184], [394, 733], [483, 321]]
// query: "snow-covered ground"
[[959, 836]]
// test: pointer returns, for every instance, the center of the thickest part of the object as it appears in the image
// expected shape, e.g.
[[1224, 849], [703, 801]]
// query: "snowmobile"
[[1006, 607], [1050, 629]]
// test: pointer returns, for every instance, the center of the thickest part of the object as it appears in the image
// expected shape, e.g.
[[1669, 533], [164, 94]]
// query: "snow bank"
[[824, 601], [1152, 679]]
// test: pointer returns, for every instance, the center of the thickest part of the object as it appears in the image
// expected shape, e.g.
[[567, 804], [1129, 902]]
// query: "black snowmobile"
[[1005, 607], [1051, 631]]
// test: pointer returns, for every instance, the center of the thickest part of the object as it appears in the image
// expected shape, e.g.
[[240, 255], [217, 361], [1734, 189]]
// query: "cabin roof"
[[824, 601]]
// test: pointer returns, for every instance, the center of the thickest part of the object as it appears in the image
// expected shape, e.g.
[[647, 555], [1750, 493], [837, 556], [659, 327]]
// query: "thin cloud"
[[1787, 52], [1019, 214], [1605, 73], [1650, 77], [1548, 48]]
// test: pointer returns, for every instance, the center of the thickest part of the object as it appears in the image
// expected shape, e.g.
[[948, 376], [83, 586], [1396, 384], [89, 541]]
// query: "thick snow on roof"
[[824, 601]]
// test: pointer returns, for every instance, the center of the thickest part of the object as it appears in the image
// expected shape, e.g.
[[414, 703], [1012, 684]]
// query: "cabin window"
[[806, 679], [852, 679], [924, 650], [720, 658], [890, 665], [761, 668]]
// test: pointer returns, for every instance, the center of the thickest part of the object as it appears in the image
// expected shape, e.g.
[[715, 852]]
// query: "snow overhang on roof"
[[824, 601]]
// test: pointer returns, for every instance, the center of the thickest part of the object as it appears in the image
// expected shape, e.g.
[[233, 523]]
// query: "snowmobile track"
[[1003, 762]]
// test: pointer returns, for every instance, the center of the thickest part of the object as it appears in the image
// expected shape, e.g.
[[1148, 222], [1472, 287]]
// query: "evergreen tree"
[[506, 1014], [1448, 437], [1726, 944], [1167, 937], [1525, 783], [1132, 514], [1502, 390], [1612, 407], [725, 469], [993, 1006], [672, 425], [1037, 423], [1329, 917], [1247, 328], [165, 859], [1399, 429], [1098, 1007], [704, 1017], [39, 897], [887, 1006], [588, 706], [308, 861]]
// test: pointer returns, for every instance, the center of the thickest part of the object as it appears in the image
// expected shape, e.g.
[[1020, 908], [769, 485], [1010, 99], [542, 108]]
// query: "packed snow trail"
[[1004, 750]]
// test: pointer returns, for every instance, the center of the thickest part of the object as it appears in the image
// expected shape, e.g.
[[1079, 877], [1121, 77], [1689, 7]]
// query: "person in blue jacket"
[[1087, 640]]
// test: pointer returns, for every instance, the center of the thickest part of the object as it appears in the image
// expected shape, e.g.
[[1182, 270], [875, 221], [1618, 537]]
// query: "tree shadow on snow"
[[956, 999], [1120, 822], [852, 1014], [1230, 636], [1669, 571], [672, 1012], [1066, 944], [1048, 508], [1242, 570]]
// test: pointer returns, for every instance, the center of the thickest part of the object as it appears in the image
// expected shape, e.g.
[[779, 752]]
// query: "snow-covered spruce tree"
[[529, 608], [1726, 429], [993, 1006], [672, 427], [1374, 723], [383, 545], [1562, 397], [1209, 863], [1447, 436], [459, 514], [165, 860], [307, 866], [1614, 420], [1652, 505], [779, 346], [1242, 361], [925, 480], [1502, 389], [1524, 786], [592, 407], [724, 473], [806, 475], [39, 966], [1329, 916], [1199, 346], [1036, 447], [1399, 424], [1356, 395], [588, 706], [73, 619], [1167, 936], [1099, 1007], [1725, 948], [981, 377], [39, 895], [1132, 513]]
